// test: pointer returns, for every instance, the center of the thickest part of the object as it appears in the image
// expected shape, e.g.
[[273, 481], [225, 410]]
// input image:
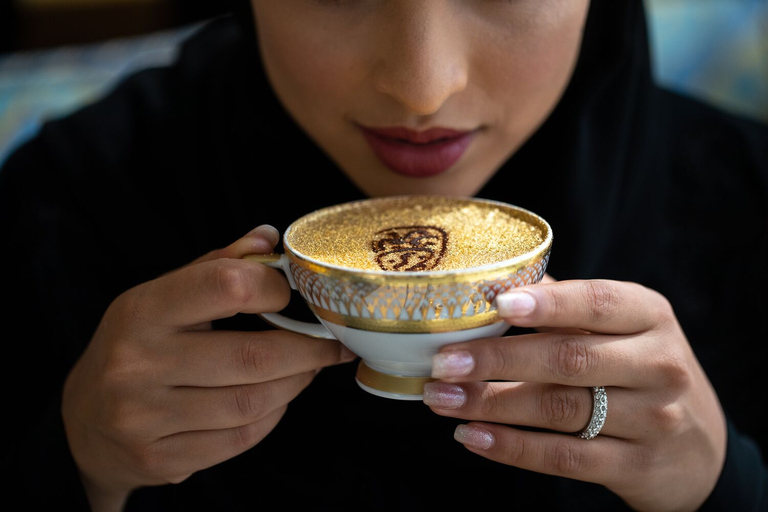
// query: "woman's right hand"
[[159, 395]]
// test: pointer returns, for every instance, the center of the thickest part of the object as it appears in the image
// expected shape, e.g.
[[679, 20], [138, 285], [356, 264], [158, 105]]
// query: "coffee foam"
[[414, 233]]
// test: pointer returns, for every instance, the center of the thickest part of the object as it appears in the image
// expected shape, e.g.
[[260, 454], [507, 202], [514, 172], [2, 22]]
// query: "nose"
[[423, 62]]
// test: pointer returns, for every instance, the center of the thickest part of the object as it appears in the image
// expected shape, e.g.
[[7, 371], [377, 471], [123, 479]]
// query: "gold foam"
[[478, 232]]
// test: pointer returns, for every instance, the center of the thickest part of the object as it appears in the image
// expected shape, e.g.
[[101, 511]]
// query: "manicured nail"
[[474, 437], [457, 363], [443, 395], [515, 304]]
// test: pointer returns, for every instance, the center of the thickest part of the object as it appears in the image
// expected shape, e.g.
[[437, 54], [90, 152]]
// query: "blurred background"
[[56, 55]]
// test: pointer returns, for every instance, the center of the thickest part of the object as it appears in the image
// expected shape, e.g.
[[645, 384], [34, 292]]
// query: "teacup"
[[396, 278]]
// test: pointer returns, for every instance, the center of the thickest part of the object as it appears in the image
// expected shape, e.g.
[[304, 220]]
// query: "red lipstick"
[[418, 154]]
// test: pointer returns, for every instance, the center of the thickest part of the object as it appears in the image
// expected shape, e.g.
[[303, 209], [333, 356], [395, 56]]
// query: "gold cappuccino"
[[415, 233]]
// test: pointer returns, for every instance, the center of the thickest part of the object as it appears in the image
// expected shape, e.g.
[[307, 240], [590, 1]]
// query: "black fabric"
[[638, 184]]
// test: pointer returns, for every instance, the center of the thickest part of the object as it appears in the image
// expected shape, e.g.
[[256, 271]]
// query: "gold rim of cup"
[[487, 281]]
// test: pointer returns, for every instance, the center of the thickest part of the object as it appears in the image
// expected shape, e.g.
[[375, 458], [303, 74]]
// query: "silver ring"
[[599, 412]]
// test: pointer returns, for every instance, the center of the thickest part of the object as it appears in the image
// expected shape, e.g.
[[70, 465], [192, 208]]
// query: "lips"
[[418, 153]]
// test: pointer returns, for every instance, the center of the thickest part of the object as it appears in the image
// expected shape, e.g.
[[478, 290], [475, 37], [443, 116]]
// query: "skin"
[[495, 67], [158, 395], [663, 443]]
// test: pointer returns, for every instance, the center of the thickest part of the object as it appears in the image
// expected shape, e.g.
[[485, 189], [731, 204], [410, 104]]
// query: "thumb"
[[260, 240], [548, 279]]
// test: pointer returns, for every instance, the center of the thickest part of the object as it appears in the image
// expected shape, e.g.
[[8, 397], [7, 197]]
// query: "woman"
[[145, 365]]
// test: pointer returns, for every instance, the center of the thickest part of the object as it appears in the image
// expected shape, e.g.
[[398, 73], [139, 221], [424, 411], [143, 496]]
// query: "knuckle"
[[117, 417], [555, 302], [249, 401], [125, 311], [573, 359], [234, 282], [126, 362], [602, 299], [559, 408], [177, 479], [245, 436], [516, 451], [129, 302], [149, 460], [563, 459], [258, 359], [119, 365], [498, 360], [124, 419], [674, 372], [153, 462], [491, 403], [668, 419], [661, 313], [665, 313]]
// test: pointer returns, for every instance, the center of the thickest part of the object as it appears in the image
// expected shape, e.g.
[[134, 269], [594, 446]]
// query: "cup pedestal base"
[[398, 387]]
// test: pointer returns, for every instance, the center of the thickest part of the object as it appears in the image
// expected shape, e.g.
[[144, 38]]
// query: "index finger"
[[233, 358], [208, 291], [600, 306]]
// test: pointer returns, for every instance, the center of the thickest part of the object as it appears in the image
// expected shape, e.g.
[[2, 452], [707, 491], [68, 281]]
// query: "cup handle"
[[281, 262]]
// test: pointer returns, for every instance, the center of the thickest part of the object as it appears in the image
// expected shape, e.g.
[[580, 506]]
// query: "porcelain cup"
[[396, 320]]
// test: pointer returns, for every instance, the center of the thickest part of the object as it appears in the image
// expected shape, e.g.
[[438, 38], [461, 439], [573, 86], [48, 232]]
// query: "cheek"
[[543, 69], [306, 73], [528, 72], [552, 47]]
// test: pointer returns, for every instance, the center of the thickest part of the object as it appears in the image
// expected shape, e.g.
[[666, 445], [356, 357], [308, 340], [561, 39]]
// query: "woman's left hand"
[[662, 446]]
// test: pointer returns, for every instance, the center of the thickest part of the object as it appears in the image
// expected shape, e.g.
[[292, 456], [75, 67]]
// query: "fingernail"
[[269, 232], [456, 363], [515, 304], [443, 395], [474, 437]]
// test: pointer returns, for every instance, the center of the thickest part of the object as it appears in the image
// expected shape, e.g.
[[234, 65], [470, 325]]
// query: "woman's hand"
[[663, 443], [158, 395]]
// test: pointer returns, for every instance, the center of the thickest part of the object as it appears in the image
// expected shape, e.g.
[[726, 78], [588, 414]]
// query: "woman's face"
[[420, 96]]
